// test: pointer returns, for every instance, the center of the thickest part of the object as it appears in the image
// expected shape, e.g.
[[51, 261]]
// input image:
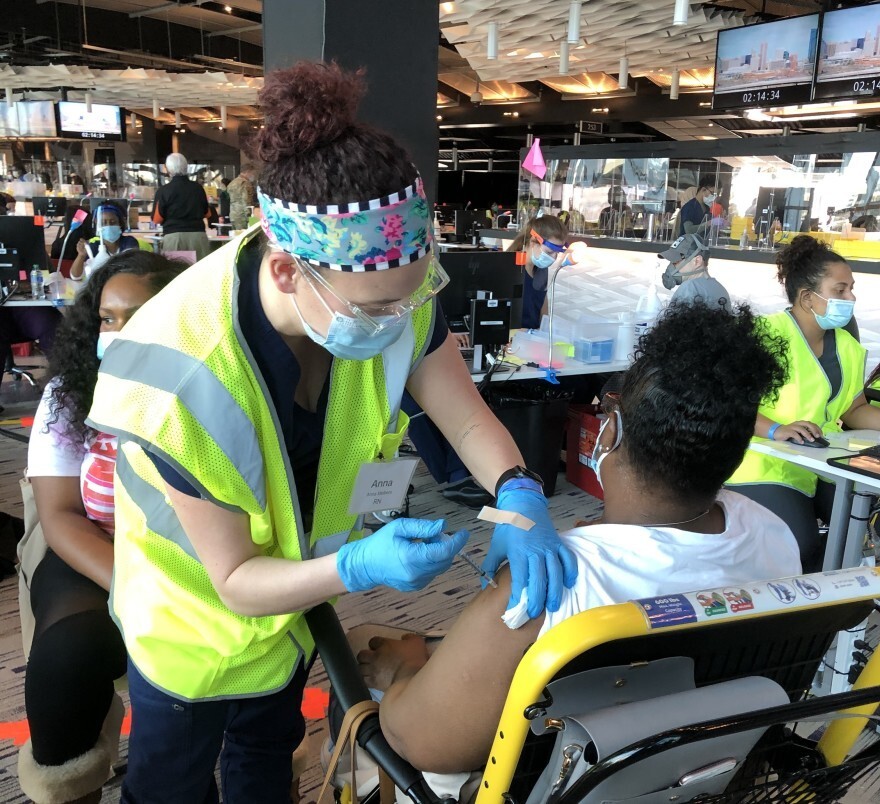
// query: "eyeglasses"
[[382, 316]]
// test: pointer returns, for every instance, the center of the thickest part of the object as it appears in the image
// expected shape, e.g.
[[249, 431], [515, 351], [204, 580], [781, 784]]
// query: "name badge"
[[382, 486]]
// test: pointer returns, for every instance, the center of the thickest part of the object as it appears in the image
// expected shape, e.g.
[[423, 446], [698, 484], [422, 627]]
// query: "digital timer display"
[[849, 54], [770, 64]]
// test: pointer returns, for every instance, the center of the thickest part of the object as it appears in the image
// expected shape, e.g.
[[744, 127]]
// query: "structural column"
[[395, 40]]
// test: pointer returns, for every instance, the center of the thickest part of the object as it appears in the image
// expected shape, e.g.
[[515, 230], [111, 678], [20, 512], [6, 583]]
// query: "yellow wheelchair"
[[705, 697]]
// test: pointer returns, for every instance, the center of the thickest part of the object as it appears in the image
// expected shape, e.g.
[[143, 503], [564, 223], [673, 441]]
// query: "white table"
[[27, 301], [849, 511], [570, 368], [846, 530]]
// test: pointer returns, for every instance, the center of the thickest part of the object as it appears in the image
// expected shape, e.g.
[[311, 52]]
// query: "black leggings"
[[76, 655], [799, 512]]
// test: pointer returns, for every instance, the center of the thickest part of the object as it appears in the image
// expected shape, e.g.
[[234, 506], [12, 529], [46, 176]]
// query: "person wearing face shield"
[[825, 387], [108, 241], [539, 245], [695, 216], [257, 403], [687, 274]]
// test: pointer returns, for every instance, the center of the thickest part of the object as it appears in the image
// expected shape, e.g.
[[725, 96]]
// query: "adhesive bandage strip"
[[489, 514]]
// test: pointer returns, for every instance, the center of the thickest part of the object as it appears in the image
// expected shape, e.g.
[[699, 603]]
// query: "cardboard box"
[[582, 430]]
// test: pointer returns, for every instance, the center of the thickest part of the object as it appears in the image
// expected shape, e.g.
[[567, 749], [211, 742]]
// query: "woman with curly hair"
[[825, 386], [77, 651], [669, 441]]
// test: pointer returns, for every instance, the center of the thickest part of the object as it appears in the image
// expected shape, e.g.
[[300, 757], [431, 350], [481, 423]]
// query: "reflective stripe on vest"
[[806, 397], [189, 392], [202, 393]]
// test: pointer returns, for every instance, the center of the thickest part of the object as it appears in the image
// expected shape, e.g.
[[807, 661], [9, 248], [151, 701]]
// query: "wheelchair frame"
[[782, 640]]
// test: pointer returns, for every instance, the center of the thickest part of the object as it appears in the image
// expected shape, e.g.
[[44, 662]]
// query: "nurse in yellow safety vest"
[[826, 374], [257, 405]]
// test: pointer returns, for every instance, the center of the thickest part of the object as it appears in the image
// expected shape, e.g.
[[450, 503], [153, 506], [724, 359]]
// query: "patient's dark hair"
[[689, 401]]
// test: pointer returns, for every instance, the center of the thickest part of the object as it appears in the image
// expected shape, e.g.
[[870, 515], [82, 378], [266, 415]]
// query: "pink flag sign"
[[534, 161]]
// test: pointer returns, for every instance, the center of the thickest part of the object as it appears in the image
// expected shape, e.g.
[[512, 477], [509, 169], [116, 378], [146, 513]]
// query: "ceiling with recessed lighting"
[[195, 56], [531, 33]]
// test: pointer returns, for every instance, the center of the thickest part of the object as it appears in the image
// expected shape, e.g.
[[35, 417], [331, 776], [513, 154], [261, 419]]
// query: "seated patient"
[[679, 426]]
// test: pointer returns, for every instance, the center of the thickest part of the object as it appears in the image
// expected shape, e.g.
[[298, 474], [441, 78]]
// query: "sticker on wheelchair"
[[762, 597]]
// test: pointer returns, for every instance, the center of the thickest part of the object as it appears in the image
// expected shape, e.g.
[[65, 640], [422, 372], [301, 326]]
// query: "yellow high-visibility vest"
[[181, 383], [805, 396]]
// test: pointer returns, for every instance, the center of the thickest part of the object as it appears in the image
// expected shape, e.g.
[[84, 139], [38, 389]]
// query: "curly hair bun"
[[802, 251], [306, 107]]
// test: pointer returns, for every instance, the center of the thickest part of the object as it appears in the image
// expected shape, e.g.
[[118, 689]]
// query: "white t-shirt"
[[52, 453], [617, 563]]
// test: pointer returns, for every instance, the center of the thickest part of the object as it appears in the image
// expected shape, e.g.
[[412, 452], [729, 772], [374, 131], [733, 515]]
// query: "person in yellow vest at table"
[[108, 240], [872, 386], [824, 389], [257, 403]]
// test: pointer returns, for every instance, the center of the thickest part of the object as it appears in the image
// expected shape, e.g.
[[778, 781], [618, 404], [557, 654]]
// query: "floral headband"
[[362, 236]]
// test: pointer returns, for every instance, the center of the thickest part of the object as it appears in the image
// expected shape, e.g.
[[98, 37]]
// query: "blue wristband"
[[772, 431]]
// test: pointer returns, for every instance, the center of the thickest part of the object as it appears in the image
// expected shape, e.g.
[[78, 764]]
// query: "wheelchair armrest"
[[349, 687]]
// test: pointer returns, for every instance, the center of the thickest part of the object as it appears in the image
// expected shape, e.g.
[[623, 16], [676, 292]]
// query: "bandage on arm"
[[489, 514]]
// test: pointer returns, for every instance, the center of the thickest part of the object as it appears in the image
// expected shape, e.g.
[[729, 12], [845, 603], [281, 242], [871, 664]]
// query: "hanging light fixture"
[[491, 164], [623, 73], [223, 118], [88, 99], [454, 156], [563, 58], [177, 121], [155, 109], [492, 42], [132, 119], [10, 98], [682, 10], [673, 87], [574, 23]]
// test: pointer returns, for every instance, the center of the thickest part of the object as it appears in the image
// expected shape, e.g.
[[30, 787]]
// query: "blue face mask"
[[838, 313], [543, 260], [104, 340], [350, 338], [111, 233]]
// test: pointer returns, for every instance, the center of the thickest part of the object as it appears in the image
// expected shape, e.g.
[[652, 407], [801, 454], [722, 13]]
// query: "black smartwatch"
[[520, 472]]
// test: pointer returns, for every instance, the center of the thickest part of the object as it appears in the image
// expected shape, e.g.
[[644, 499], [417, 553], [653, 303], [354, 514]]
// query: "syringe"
[[473, 564]]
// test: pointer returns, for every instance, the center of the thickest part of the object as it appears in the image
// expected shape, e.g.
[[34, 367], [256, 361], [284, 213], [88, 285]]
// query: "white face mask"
[[104, 340], [595, 463], [709, 199]]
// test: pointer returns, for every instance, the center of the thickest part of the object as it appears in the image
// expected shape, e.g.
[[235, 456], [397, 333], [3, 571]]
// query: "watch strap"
[[517, 472]]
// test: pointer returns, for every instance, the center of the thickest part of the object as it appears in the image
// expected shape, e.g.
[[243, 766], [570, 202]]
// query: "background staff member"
[[694, 215], [181, 206], [543, 241], [108, 232], [688, 273], [824, 387], [247, 398]]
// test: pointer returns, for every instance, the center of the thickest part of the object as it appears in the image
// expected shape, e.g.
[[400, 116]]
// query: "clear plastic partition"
[[745, 202]]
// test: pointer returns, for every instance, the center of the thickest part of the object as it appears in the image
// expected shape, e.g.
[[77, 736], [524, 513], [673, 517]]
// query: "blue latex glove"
[[539, 561], [406, 554]]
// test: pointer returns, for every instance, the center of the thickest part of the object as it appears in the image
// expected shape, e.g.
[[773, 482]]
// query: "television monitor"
[[27, 119], [50, 206], [471, 271], [21, 233], [101, 123], [769, 64], [849, 54]]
